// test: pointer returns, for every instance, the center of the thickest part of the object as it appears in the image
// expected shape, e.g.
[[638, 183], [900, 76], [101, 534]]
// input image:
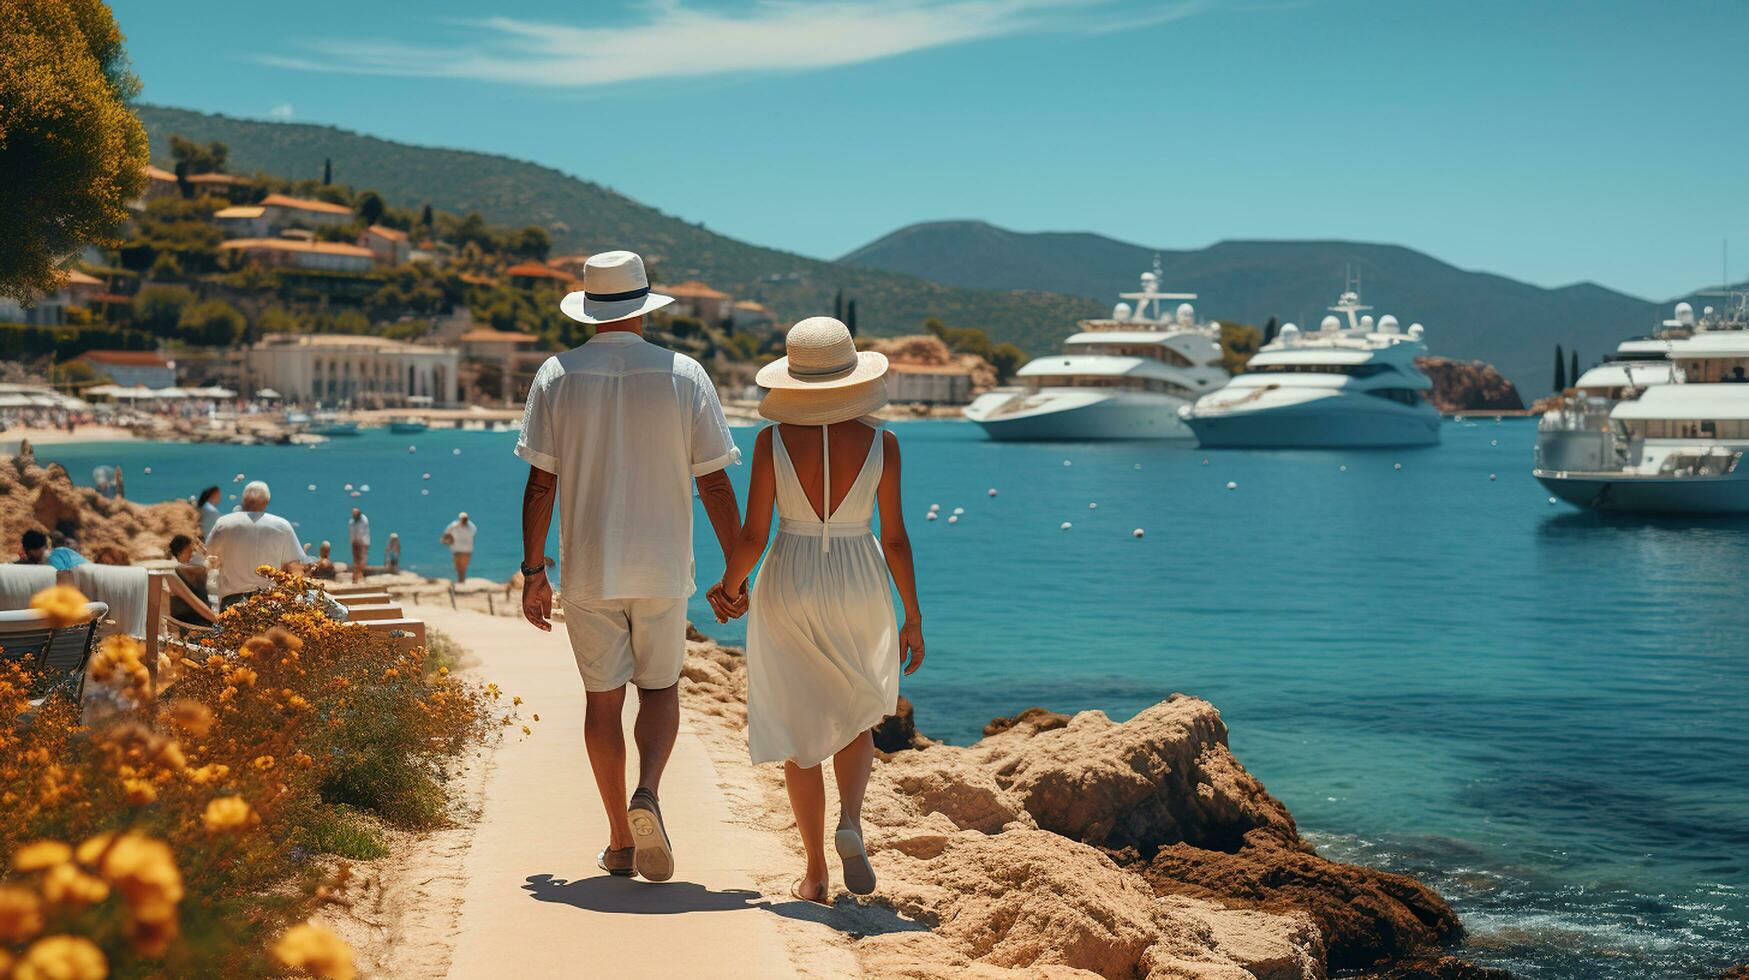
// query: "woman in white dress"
[[823, 650]]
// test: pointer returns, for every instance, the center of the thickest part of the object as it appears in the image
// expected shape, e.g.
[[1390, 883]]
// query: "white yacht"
[[1658, 436], [1351, 382], [1119, 378]]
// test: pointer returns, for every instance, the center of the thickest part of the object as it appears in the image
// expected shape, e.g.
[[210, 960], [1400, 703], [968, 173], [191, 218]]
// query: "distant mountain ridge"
[[1468, 315], [585, 216]]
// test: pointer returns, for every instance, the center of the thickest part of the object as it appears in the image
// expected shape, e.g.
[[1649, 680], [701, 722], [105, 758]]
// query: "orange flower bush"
[[182, 835]]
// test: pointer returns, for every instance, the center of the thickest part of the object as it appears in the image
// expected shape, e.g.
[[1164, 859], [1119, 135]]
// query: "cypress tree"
[[850, 316], [1573, 368], [1269, 329], [1560, 370], [327, 171], [425, 218], [838, 305]]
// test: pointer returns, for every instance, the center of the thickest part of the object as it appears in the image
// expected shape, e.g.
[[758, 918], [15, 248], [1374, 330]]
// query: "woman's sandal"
[[859, 876], [795, 889]]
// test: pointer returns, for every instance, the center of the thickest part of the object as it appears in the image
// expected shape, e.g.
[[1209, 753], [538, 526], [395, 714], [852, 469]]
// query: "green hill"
[[1511, 324], [584, 216]]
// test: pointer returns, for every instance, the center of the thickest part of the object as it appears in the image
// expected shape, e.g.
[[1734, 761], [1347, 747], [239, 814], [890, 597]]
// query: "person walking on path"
[[358, 532], [460, 538], [246, 539], [617, 431], [823, 651]]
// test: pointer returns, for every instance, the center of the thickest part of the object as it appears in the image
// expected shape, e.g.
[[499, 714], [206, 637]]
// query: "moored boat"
[[1121, 377]]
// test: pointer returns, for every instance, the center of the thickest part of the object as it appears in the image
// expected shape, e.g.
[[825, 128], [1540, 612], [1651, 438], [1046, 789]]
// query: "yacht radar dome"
[[1387, 324], [1416, 330], [1366, 323], [1186, 314], [1289, 334], [1685, 314], [1330, 323], [1121, 311]]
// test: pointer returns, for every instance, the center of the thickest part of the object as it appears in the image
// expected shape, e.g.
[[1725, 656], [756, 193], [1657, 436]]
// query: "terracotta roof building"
[[293, 253], [697, 300], [391, 246], [132, 367]]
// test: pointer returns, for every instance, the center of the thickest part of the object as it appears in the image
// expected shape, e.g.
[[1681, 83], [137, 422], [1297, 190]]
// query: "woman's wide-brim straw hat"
[[615, 287], [823, 378]]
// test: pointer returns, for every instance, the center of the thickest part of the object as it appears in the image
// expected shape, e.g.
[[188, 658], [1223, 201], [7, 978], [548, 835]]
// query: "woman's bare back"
[[851, 442]]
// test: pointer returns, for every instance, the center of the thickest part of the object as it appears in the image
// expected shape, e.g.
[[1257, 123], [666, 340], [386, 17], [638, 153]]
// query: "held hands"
[[727, 607], [911, 645], [537, 601]]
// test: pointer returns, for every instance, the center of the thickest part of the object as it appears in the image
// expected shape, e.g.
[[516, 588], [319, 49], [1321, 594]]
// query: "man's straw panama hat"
[[824, 378], [614, 288]]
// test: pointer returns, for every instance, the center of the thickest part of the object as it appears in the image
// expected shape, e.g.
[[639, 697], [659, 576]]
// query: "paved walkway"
[[535, 904]]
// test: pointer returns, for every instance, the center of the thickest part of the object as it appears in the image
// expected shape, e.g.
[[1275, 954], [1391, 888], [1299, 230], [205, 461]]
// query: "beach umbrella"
[[267, 393]]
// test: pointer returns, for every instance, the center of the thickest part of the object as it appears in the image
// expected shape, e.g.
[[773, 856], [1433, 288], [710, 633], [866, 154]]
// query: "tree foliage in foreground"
[[72, 153]]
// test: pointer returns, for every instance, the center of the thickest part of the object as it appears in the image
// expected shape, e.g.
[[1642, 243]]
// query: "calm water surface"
[[1542, 714]]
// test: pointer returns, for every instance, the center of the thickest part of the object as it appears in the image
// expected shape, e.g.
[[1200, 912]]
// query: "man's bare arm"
[[537, 519], [720, 505]]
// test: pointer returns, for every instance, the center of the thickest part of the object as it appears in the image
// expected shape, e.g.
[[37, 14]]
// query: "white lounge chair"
[[56, 656]]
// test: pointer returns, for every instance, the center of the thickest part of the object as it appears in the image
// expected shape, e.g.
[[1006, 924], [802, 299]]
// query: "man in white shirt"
[[358, 532], [618, 430], [247, 539], [460, 538]]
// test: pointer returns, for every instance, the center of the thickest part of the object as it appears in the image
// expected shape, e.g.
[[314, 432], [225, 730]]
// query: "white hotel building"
[[335, 368]]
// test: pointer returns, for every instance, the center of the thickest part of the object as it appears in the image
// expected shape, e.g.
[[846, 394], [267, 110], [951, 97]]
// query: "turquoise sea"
[[1543, 714]]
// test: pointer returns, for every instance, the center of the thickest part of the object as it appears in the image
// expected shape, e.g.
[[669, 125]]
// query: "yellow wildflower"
[[65, 884], [391, 672], [263, 762], [39, 855], [443, 671], [62, 604], [303, 761], [537, 717], [516, 700], [140, 867], [139, 791], [62, 958], [191, 716], [227, 813], [240, 677], [316, 950], [525, 730], [209, 773], [21, 914]]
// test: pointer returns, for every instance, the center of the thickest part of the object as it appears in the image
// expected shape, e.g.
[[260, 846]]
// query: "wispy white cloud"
[[672, 39], [282, 112]]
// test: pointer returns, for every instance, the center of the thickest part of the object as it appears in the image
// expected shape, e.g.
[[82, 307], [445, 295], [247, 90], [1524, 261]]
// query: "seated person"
[[192, 575], [65, 553], [33, 548], [323, 566]]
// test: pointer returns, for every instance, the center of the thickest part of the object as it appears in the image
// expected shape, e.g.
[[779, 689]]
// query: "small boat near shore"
[[409, 426], [1644, 435], [332, 425]]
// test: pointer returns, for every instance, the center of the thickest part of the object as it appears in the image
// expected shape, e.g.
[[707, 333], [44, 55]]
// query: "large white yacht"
[[1662, 426], [1119, 378], [1350, 383]]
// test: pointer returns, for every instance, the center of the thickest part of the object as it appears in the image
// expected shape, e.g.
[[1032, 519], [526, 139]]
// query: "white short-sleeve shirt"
[[243, 540], [359, 530], [626, 426], [461, 536]]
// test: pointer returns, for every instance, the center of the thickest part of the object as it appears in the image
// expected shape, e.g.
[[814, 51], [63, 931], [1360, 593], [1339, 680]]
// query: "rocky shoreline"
[[1077, 846]]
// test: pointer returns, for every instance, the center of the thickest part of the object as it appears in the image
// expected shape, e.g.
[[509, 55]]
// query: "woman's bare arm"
[[756, 529], [896, 543]]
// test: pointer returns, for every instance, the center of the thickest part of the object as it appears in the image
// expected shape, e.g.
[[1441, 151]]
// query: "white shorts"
[[615, 641]]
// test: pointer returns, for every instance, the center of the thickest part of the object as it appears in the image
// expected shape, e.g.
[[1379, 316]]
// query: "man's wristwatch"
[[528, 572]]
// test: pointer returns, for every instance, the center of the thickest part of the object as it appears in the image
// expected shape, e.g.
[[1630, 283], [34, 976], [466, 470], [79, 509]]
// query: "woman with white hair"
[[247, 539]]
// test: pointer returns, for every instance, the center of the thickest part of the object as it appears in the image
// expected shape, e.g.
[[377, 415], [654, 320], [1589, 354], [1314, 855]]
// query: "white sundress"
[[822, 644]]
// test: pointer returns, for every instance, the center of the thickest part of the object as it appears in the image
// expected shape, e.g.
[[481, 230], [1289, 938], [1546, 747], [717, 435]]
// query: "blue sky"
[[1551, 142]]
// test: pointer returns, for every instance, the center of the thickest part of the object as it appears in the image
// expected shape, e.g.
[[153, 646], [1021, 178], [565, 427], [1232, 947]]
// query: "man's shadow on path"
[[627, 896]]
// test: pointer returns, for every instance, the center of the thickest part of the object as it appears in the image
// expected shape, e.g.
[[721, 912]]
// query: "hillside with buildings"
[[582, 217], [319, 293]]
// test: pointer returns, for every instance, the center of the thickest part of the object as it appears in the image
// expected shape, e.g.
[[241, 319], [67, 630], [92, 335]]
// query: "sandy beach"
[[11, 438]]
